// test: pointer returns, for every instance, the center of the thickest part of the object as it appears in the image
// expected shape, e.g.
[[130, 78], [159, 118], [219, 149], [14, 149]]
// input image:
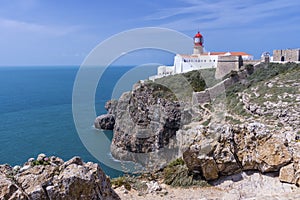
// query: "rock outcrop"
[[106, 122], [52, 178], [144, 124], [226, 150]]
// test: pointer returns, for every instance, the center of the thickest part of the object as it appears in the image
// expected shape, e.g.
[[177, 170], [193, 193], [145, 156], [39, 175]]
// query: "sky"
[[63, 32]]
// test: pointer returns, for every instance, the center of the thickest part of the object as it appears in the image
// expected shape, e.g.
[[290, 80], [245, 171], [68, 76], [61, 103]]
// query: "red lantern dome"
[[198, 39]]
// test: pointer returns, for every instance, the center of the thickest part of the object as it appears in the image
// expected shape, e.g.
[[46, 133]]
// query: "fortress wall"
[[211, 93], [250, 62], [226, 64], [286, 55], [201, 97]]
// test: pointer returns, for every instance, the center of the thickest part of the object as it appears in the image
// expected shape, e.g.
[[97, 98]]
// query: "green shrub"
[[40, 162], [179, 176], [118, 182], [178, 161], [206, 123]]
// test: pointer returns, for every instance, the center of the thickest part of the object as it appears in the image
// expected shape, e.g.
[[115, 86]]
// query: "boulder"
[[209, 168], [73, 179], [227, 150], [106, 122], [272, 155], [287, 174]]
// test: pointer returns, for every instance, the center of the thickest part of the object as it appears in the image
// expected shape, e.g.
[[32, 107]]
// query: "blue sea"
[[36, 113]]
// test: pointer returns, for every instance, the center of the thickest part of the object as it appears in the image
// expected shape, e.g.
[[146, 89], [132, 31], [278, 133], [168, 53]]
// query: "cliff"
[[52, 178], [145, 126], [254, 125]]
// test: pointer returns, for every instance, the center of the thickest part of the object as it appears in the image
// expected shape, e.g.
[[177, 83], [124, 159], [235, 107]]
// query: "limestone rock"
[[41, 157], [272, 155], [106, 122], [153, 186], [226, 150], [209, 169], [111, 106], [144, 124], [8, 189], [287, 174], [254, 185], [73, 179]]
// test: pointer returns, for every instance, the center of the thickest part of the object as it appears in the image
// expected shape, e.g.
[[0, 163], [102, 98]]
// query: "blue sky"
[[63, 32]]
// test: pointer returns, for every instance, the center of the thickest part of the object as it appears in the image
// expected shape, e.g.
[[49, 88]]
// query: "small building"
[[286, 55]]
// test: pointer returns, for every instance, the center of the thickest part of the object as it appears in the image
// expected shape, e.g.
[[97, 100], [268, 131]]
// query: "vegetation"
[[233, 120], [271, 70], [206, 123], [45, 161], [249, 68], [178, 161], [182, 86], [263, 73], [177, 174], [120, 181], [161, 91]]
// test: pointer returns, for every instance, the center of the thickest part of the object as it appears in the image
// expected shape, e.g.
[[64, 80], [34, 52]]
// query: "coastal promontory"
[[249, 129]]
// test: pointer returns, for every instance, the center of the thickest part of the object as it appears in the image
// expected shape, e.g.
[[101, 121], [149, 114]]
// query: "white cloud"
[[22, 26], [224, 14]]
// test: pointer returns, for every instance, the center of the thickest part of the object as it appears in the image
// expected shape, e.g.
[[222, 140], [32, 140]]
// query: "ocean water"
[[36, 113]]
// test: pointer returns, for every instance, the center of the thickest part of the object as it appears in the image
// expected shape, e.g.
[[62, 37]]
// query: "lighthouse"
[[198, 43]]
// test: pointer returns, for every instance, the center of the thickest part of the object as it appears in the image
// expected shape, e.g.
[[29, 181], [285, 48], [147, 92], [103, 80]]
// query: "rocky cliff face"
[[52, 178], [260, 130], [262, 134], [144, 124], [227, 149]]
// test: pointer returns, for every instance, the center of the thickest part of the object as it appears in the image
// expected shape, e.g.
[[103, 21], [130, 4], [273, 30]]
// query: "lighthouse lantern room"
[[198, 43]]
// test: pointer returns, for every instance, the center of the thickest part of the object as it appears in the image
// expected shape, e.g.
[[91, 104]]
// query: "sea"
[[36, 113]]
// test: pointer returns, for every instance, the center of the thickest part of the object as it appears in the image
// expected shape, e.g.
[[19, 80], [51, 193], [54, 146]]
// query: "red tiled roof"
[[224, 53], [215, 54], [189, 56]]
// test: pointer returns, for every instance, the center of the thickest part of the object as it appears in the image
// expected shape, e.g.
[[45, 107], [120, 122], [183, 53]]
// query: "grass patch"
[[262, 74], [206, 123], [40, 162], [178, 161], [120, 181], [233, 120], [177, 174], [183, 85]]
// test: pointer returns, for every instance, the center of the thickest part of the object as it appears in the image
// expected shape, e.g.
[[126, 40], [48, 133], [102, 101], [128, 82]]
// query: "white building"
[[201, 60]]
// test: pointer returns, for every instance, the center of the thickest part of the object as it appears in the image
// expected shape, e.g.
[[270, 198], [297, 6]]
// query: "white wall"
[[165, 70], [185, 64], [249, 57]]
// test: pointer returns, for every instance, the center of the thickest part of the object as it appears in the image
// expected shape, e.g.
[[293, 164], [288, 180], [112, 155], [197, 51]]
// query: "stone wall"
[[286, 55], [226, 64], [210, 93], [252, 62]]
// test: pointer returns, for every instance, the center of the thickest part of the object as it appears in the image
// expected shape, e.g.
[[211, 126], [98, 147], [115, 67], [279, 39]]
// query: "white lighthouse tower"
[[198, 43]]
